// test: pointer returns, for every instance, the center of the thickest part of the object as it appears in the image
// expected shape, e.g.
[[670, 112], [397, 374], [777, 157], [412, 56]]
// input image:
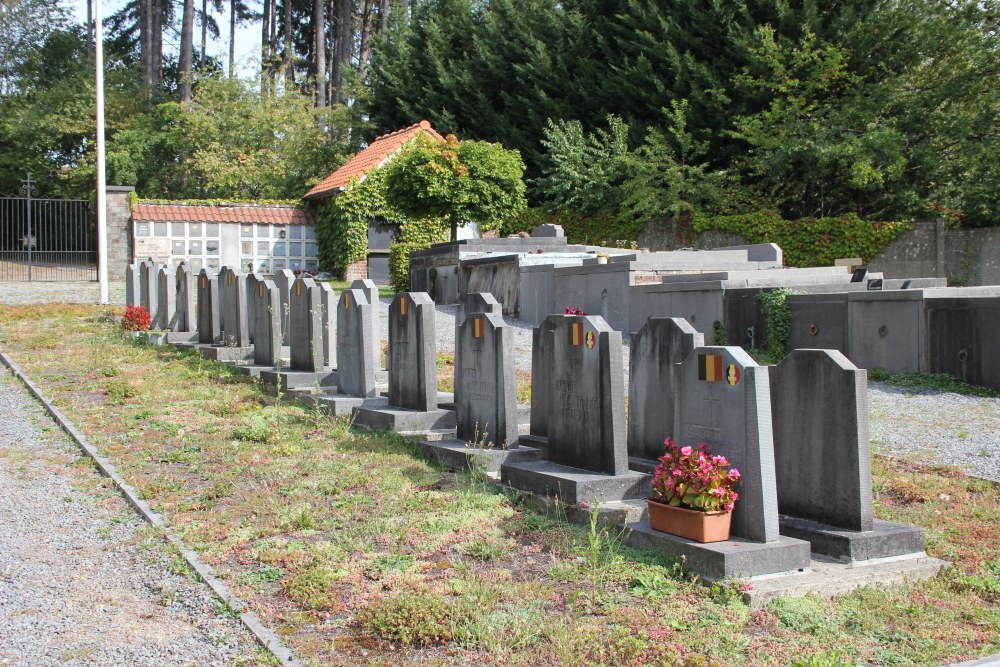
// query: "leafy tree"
[[471, 181]]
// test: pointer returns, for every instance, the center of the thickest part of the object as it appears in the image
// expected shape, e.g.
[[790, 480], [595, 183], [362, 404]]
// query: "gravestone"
[[132, 286], [147, 286], [469, 304], [548, 230], [541, 368], [329, 317], [371, 293], [223, 278], [267, 308], [822, 454], [234, 305], [656, 351], [305, 326], [166, 299], [724, 400], [588, 458], [209, 329], [253, 279], [284, 279], [413, 397], [186, 299], [412, 352], [356, 368]]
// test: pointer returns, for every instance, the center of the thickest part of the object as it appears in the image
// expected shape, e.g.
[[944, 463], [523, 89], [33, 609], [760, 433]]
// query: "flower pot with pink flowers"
[[693, 493]]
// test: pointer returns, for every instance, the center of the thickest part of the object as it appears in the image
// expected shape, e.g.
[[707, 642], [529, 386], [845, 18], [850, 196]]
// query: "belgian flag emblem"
[[576, 333], [347, 300], [260, 290], [710, 368], [477, 327], [298, 289], [404, 306], [204, 282]]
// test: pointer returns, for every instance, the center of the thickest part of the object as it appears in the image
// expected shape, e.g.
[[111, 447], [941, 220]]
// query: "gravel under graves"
[[77, 585]]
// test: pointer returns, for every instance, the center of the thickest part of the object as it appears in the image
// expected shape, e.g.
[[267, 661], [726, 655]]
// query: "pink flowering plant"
[[693, 478]]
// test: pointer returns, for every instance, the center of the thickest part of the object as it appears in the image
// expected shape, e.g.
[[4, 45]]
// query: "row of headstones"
[[798, 434]]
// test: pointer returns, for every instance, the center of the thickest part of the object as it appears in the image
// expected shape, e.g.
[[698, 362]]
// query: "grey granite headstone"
[[476, 302], [412, 352], [234, 305], [132, 289], [356, 370], [548, 230], [166, 299], [587, 395], [485, 393], [305, 336], [253, 279], [186, 312], [541, 371], [147, 286], [328, 314], [371, 293], [223, 279], [284, 279], [724, 399], [267, 307], [209, 329], [822, 451], [656, 351]]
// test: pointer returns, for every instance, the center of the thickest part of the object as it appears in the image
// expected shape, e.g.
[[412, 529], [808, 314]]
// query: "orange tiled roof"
[[265, 215], [369, 158]]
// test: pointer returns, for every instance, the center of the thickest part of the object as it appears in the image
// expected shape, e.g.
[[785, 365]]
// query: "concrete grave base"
[[254, 370], [458, 455], [289, 379], [642, 465], [735, 558], [885, 540], [174, 337], [340, 405], [403, 420], [574, 485], [539, 442], [224, 354]]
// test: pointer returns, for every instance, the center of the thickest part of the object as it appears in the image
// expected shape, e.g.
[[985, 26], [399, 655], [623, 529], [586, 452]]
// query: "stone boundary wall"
[[119, 212], [929, 250]]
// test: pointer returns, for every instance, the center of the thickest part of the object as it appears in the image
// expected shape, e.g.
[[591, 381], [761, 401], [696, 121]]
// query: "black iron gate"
[[46, 239]]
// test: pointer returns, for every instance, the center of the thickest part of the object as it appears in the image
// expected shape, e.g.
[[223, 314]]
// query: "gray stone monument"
[[253, 279], [132, 285], [187, 314], [588, 459], [413, 397], [236, 329], [656, 352], [209, 327], [822, 453], [541, 369], [284, 279], [166, 300], [469, 304], [147, 286], [356, 371], [329, 317], [267, 309], [305, 325], [371, 293], [548, 231]]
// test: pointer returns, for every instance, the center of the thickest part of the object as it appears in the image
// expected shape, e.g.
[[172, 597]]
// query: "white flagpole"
[[102, 212]]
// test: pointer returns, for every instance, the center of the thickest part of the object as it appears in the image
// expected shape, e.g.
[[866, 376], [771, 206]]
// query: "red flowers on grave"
[[136, 318], [570, 310], [694, 482]]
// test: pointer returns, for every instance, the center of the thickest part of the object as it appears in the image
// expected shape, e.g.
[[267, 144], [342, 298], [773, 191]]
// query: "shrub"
[[136, 318]]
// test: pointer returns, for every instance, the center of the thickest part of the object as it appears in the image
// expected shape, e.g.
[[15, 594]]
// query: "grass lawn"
[[358, 552]]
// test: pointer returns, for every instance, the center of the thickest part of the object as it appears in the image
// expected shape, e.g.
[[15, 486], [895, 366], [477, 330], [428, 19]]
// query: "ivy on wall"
[[779, 321], [810, 241], [414, 235]]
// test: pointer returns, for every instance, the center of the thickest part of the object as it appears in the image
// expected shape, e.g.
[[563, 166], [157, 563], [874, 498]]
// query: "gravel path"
[[83, 581]]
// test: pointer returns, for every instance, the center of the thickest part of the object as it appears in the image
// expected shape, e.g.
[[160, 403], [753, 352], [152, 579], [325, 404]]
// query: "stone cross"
[[355, 354], [822, 451], [166, 300], [305, 324], [267, 341], [656, 351], [586, 402], [209, 329], [412, 352], [485, 382], [723, 399]]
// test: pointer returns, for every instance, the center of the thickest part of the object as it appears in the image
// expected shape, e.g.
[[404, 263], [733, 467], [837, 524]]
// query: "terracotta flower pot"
[[697, 526]]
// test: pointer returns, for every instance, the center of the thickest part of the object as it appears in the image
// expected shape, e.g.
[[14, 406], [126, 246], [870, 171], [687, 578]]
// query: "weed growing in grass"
[[419, 618], [823, 659], [930, 382], [224, 608], [651, 585], [255, 429], [265, 575], [803, 614], [119, 391]]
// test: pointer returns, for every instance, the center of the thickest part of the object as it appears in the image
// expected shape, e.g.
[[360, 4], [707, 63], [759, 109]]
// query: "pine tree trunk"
[[265, 44], [273, 47], [204, 32], [90, 24], [232, 37], [187, 50], [343, 48], [156, 45], [146, 44], [289, 60], [383, 19], [365, 50], [319, 50]]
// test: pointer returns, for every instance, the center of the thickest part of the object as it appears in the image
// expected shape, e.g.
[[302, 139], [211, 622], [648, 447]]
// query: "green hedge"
[[810, 241]]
